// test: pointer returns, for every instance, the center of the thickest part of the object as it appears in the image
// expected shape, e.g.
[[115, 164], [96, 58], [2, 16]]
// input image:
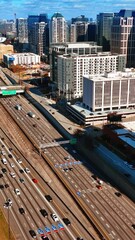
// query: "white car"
[[27, 170], [12, 165], [19, 161], [17, 191], [12, 174], [54, 217]]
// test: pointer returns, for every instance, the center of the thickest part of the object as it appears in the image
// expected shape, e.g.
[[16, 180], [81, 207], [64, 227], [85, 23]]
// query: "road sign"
[[8, 92], [73, 141]]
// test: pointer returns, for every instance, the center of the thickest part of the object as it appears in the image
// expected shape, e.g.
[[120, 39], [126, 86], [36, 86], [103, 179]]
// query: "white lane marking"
[[102, 218]]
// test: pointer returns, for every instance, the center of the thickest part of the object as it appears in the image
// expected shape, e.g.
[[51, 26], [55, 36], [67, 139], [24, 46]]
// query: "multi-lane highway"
[[112, 213], [32, 198]]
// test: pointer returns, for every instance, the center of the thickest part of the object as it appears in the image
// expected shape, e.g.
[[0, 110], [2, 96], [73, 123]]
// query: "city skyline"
[[69, 8]]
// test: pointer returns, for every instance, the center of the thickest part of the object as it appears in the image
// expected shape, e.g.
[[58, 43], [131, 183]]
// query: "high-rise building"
[[40, 38], [104, 23], [123, 35], [71, 69], [79, 32], [81, 48], [22, 30], [58, 29], [81, 18], [32, 19]]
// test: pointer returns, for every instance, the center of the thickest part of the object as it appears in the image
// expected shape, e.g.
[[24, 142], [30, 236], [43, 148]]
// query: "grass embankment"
[[4, 230]]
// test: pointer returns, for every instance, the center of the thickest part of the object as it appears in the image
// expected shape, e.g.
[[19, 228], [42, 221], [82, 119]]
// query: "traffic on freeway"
[[110, 211]]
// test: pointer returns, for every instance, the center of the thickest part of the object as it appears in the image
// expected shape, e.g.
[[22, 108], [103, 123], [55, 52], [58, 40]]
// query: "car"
[[70, 168], [10, 149], [118, 194], [17, 191], [12, 174], [4, 160], [94, 177], [67, 157], [4, 170], [6, 205], [34, 180], [3, 152], [44, 238], [12, 165], [21, 170], [6, 185], [65, 169], [54, 217], [48, 197], [79, 238], [100, 181], [1, 186], [66, 221], [133, 226], [1, 175], [19, 161], [44, 212], [99, 187], [21, 210], [32, 233], [27, 170], [74, 151], [21, 180], [10, 155], [9, 201]]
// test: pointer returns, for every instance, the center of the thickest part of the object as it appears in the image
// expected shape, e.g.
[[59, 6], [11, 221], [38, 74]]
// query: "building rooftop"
[[98, 54], [75, 44], [21, 54], [121, 75]]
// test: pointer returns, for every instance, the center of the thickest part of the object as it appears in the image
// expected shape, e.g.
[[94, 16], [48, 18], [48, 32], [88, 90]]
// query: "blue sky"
[[69, 8]]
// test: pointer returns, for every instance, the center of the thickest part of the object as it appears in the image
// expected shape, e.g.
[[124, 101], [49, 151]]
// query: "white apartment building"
[[72, 68], [21, 58], [110, 92]]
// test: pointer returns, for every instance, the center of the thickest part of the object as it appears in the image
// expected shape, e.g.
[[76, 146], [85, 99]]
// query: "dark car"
[[94, 177], [21, 180], [6, 185], [44, 212], [133, 226], [44, 238], [118, 194], [21, 210], [4, 170], [21, 170], [66, 221], [48, 197], [70, 168], [1, 186], [10, 155], [1, 175], [32, 233], [79, 238]]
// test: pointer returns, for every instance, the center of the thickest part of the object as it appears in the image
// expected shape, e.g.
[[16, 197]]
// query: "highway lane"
[[56, 156], [35, 197]]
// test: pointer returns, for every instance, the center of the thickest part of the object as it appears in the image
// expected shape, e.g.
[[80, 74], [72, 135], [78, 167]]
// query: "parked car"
[[6, 185]]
